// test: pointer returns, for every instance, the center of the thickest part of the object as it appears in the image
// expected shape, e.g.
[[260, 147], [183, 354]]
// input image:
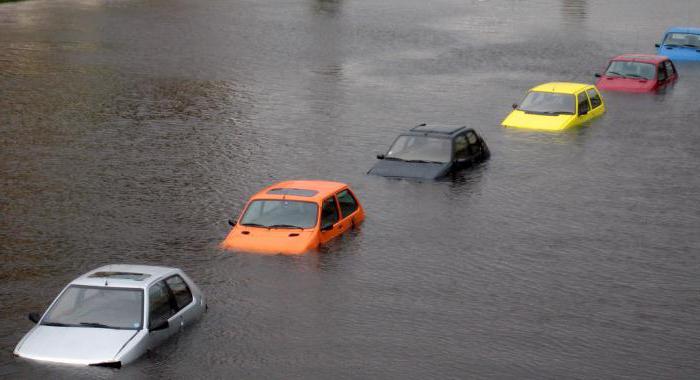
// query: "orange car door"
[[330, 220], [348, 208]]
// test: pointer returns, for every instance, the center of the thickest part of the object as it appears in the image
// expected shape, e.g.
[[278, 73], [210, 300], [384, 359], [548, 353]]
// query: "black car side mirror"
[[657, 45], [515, 106], [231, 222], [160, 326], [327, 227], [582, 113], [380, 156], [34, 317], [597, 75]]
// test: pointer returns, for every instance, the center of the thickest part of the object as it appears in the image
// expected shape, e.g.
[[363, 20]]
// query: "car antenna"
[[106, 284]]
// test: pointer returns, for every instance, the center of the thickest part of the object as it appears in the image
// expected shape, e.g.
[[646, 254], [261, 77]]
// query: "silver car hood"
[[73, 345]]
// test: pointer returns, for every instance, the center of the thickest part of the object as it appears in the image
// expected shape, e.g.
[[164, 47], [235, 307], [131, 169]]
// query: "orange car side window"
[[329, 213], [348, 204]]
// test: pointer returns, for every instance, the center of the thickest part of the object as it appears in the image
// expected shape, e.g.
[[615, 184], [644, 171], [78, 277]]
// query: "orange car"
[[294, 217]]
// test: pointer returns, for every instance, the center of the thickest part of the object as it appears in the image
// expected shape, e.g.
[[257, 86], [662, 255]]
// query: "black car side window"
[[583, 106], [460, 143], [161, 305], [180, 290], [329, 213]]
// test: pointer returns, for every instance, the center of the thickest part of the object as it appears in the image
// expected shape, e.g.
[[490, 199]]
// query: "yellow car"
[[556, 106]]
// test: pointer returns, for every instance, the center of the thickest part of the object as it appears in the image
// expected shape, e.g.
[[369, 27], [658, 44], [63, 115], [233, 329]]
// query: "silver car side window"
[[180, 290], [161, 306]]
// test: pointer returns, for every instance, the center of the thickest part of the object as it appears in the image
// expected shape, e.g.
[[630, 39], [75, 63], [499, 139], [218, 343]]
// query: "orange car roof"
[[302, 190]]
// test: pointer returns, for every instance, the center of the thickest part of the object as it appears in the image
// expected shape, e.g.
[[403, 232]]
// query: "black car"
[[431, 152]]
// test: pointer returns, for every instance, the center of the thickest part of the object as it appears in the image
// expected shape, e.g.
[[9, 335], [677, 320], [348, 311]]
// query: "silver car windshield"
[[628, 69], [280, 214], [548, 103], [421, 149], [99, 307]]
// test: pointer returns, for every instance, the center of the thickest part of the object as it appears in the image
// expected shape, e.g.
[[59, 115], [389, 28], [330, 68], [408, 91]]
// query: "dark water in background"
[[130, 131]]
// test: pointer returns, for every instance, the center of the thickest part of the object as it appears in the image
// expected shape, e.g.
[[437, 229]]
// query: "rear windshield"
[[98, 307]]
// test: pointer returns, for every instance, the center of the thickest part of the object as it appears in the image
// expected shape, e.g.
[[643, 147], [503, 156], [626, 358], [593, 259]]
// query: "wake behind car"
[[112, 315], [294, 217], [638, 73], [680, 44], [556, 106], [431, 152]]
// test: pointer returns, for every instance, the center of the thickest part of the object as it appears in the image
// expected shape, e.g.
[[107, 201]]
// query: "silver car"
[[112, 315]]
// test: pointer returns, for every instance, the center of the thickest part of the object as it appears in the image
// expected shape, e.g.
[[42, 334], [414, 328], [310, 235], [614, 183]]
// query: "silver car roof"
[[124, 276]]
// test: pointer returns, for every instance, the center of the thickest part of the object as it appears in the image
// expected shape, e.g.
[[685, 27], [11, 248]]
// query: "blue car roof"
[[679, 29]]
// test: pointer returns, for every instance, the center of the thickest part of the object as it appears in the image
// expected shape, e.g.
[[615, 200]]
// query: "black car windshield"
[[97, 306], [682, 39], [421, 149], [548, 103], [280, 214], [631, 70]]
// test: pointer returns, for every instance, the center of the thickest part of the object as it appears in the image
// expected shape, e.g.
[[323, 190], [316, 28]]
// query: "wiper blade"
[[254, 225], [95, 324], [56, 324], [393, 158], [285, 226], [424, 161], [691, 46], [634, 75], [614, 73]]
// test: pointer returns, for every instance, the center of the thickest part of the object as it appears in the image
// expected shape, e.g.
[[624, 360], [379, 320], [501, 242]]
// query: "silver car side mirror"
[[160, 326], [34, 317]]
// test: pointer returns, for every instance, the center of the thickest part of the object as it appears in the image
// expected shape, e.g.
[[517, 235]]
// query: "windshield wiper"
[[691, 46], [393, 158], [254, 225], [615, 73], [285, 226], [56, 324], [95, 324], [425, 161]]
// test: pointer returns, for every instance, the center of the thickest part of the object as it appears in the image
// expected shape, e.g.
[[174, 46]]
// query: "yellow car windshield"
[[548, 103]]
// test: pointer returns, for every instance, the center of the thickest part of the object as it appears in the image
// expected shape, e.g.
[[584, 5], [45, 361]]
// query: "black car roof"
[[436, 129]]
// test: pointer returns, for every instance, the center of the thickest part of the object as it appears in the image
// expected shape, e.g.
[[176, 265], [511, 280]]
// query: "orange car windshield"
[[280, 214]]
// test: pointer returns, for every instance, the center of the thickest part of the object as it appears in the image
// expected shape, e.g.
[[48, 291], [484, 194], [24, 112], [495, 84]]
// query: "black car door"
[[461, 152]]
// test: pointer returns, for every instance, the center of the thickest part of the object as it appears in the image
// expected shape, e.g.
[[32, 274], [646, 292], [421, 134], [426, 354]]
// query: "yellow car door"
[[583, 109], [597, 104]]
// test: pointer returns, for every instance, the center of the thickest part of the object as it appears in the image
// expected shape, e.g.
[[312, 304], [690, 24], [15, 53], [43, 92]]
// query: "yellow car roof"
[[561, 87]]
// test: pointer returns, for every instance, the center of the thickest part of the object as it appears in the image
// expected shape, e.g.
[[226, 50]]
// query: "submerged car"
[[680, 44], [431, 152], [556, 106], [637, 73], [112, 315], [294, 217]]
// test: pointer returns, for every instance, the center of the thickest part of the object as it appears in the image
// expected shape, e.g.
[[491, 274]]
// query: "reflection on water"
[[574, 12]]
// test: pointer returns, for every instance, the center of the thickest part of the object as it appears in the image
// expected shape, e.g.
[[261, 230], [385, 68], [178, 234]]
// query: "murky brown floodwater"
[[131, 130]]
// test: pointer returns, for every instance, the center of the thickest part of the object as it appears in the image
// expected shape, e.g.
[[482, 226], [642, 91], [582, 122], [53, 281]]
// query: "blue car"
[[680, 44]]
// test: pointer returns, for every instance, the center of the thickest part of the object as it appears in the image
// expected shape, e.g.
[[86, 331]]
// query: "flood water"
[[131, 130]]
